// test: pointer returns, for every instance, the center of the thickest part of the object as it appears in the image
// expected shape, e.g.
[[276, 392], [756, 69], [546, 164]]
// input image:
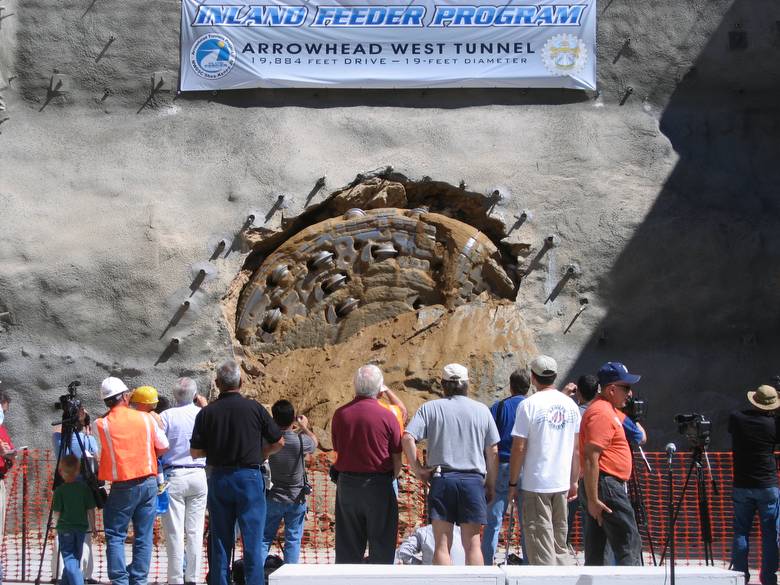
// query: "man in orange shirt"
[[606, 459], [130, 441]]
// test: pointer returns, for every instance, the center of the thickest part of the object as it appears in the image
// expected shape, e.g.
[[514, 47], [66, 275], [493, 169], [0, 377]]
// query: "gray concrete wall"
[[666, 197]]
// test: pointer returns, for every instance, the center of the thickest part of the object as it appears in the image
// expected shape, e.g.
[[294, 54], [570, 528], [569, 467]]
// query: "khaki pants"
[[545, 526]]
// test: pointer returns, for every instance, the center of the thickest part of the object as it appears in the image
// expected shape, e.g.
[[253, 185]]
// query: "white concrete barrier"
[[386, 574], [424, 575], [523, 575]]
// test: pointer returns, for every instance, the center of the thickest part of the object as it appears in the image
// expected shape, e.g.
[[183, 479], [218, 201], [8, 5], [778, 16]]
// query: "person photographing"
[[754, 434]]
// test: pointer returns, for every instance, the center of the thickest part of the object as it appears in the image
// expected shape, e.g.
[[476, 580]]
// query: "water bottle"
[[162, 502]]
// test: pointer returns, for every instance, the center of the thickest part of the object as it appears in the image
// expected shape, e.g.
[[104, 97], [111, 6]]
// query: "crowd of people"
[[540, 454]]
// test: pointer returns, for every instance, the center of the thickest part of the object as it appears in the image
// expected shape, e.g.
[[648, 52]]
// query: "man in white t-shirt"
[[545, 448]]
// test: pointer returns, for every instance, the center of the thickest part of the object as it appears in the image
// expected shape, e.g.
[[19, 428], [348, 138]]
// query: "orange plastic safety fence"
[[29, 497]]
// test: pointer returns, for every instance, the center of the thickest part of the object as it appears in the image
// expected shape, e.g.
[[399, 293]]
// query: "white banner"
[[361, 44]]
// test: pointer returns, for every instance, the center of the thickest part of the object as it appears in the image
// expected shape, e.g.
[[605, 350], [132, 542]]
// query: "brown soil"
[[487, 336]]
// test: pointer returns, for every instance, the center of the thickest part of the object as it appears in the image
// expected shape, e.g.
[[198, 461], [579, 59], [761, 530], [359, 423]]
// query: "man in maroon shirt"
[[367, 438]]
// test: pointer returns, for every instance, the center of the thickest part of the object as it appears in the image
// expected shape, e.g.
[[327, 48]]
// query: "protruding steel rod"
[[583, 306]]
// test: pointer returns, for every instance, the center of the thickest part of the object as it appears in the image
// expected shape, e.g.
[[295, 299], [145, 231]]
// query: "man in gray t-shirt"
[[462, 463], [286, 500]]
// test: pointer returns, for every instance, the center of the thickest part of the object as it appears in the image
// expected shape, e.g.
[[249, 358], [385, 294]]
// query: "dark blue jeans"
[[236, 495], [495, 516], [135, 501], [71, 544], [748, 501]]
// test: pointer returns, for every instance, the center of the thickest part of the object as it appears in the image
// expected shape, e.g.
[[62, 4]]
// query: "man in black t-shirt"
[[235, 434], [754, 435]]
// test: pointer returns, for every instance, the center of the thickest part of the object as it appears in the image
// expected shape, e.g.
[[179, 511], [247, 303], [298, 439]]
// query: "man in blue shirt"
[[503, 412]]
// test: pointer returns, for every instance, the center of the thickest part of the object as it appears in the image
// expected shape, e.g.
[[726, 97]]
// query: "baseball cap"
[[612, 372], [544, 365], [764, 398], [111, 387], [452, 372]]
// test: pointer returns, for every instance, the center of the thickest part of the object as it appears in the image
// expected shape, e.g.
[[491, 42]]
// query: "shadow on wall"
[[397, 98], [693, 298]]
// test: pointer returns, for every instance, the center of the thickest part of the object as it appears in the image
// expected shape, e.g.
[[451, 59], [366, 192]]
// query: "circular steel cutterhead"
[[278, 274], [347, 306], [321, 259], [353, 213], [334, 282], [271, 320], [384, 251]]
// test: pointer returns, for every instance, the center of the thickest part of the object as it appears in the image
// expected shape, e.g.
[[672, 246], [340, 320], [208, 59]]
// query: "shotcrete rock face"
[[408, 289]]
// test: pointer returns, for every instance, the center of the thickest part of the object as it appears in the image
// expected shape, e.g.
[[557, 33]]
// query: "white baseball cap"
[[452, 372], [111, 387], [544, 365]]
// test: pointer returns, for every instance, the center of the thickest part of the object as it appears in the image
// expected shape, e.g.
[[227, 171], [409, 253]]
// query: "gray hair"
[[184, 391], [229, 375], [368, 381]]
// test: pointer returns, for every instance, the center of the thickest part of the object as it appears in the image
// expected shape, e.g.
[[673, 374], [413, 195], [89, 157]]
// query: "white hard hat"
[[111, 387]]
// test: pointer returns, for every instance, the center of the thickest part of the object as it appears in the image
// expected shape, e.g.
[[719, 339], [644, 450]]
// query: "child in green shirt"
[[75, 508]]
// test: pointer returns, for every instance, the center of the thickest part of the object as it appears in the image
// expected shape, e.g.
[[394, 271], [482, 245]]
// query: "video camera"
[[635, 409], [696, 428], [70, 404]]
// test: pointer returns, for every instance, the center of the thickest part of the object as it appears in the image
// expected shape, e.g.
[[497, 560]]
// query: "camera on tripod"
[[635, 409], [696, 428], [70, 404]]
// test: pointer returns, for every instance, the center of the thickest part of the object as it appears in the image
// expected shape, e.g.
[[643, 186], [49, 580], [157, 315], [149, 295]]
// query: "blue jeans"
[[294, 516], [136, 501], [748, 501], [236, 495], [71, 544], [495, 515]]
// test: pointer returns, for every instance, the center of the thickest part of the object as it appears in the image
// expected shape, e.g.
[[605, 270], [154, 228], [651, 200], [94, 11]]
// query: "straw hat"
[[764, 398]]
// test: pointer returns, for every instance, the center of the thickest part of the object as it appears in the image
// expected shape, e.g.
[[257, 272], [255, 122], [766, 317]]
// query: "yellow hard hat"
[[144, 395]]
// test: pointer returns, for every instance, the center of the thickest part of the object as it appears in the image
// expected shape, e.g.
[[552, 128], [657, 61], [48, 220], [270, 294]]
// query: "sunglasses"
[[624, 387]]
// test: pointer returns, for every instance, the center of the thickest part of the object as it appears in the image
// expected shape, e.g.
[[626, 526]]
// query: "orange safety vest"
[[126, 445], [396, 412]]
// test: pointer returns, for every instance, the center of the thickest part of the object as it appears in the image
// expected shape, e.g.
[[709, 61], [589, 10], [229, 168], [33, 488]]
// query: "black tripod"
[[70, 427], [637, 497], [698, 459]]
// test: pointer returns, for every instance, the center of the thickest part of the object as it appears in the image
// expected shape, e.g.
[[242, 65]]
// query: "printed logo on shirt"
[[556, 417]]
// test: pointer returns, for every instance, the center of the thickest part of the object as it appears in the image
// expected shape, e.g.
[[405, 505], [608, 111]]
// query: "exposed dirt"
[[488, 336]]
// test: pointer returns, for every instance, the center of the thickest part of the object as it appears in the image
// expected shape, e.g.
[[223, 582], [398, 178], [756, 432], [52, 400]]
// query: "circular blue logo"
[[213, 56]]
